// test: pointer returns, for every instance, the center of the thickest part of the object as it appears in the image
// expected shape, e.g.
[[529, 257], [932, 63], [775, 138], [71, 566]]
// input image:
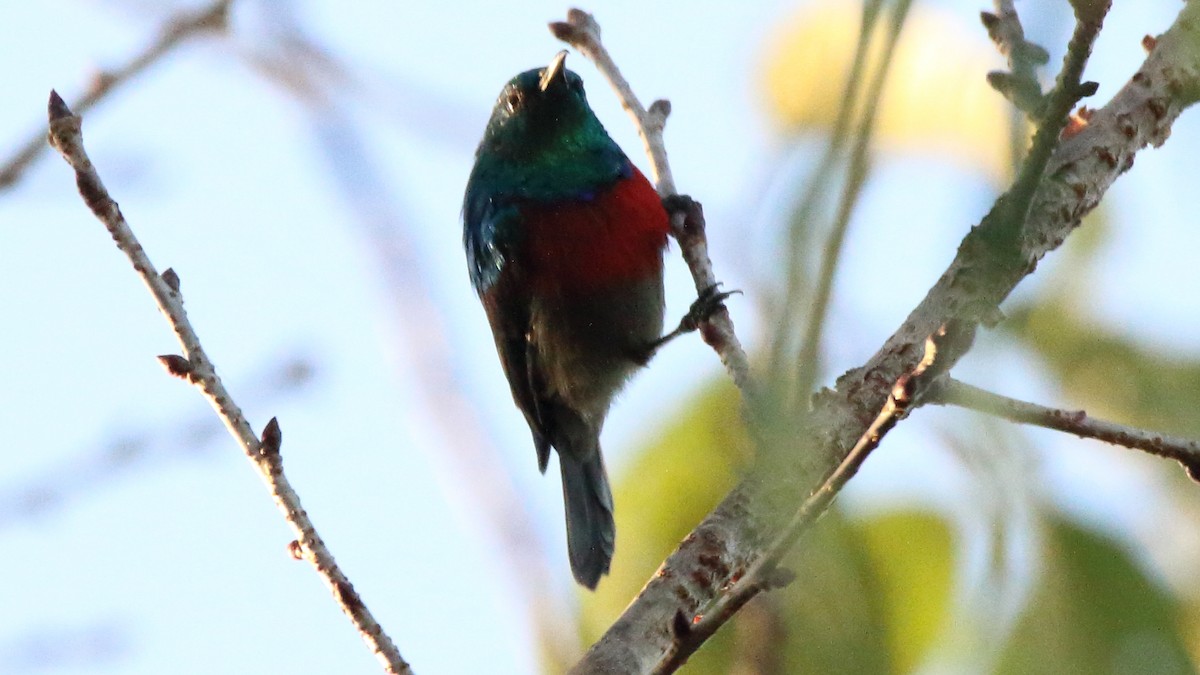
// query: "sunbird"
[[564, 239]]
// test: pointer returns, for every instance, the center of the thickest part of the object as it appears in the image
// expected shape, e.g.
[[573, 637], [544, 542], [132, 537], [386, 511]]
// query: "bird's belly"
[[588, 343]]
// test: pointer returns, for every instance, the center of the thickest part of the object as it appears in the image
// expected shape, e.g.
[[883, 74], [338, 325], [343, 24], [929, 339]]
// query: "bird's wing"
[[491, 231], [508, 311]]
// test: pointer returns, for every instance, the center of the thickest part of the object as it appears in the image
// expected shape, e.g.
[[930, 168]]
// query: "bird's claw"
[[711, 299]]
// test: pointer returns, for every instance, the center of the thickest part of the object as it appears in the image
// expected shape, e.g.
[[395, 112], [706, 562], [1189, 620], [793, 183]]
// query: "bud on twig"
[[272, 439], [177, 365]]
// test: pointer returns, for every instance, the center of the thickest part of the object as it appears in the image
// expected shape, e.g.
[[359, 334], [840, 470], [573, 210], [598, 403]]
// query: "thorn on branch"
[[177, 365], [272, 439], [992, 318]]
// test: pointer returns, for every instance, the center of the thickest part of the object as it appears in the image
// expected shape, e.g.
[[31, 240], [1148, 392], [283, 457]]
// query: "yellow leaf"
[[936, 101]]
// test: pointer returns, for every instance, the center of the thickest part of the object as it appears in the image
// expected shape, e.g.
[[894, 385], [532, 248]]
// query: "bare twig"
[[1081, 169], [582, 32], [949, 391], [765, 574], [178, 30], [195, 366], [810, 344], [1021, 84]]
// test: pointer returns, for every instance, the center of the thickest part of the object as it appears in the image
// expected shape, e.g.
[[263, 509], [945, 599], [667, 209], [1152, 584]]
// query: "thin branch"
[[949, 391], [178, 30], [66, 136], [810, 344], [1081, 169], [1021, 84], [582, 32], [765, 574]]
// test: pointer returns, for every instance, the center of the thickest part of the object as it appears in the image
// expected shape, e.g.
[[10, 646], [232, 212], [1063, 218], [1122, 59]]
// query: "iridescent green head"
[[544, 141]]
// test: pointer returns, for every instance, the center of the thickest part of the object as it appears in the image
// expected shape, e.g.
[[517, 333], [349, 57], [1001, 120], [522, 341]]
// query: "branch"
[[765, 574], [66, 136], [175, 32], [582, 32], [1020, 86], [949, 391], [1080, 170]]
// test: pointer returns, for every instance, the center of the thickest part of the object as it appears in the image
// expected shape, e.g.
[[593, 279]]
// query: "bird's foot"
[[711, 299]]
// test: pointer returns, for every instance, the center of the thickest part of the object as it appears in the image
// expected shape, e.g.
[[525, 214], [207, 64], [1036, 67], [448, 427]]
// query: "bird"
[[564, 241]]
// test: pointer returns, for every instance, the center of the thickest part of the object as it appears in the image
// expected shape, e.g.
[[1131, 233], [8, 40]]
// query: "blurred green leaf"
[[912, 555], [1095, 611]]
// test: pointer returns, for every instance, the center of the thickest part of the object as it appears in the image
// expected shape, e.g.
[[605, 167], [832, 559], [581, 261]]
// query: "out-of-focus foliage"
[[1095, 611], [936, 99], [912, 557]]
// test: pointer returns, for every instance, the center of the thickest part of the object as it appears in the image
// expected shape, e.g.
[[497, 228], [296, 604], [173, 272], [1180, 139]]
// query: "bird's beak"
[[555, 70]]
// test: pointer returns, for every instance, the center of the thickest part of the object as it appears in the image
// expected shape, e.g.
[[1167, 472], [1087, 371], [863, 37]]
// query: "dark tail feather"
[[589, 507]]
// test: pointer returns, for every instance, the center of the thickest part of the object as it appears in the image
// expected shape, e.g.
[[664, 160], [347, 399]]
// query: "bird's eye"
[[513, 100]]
